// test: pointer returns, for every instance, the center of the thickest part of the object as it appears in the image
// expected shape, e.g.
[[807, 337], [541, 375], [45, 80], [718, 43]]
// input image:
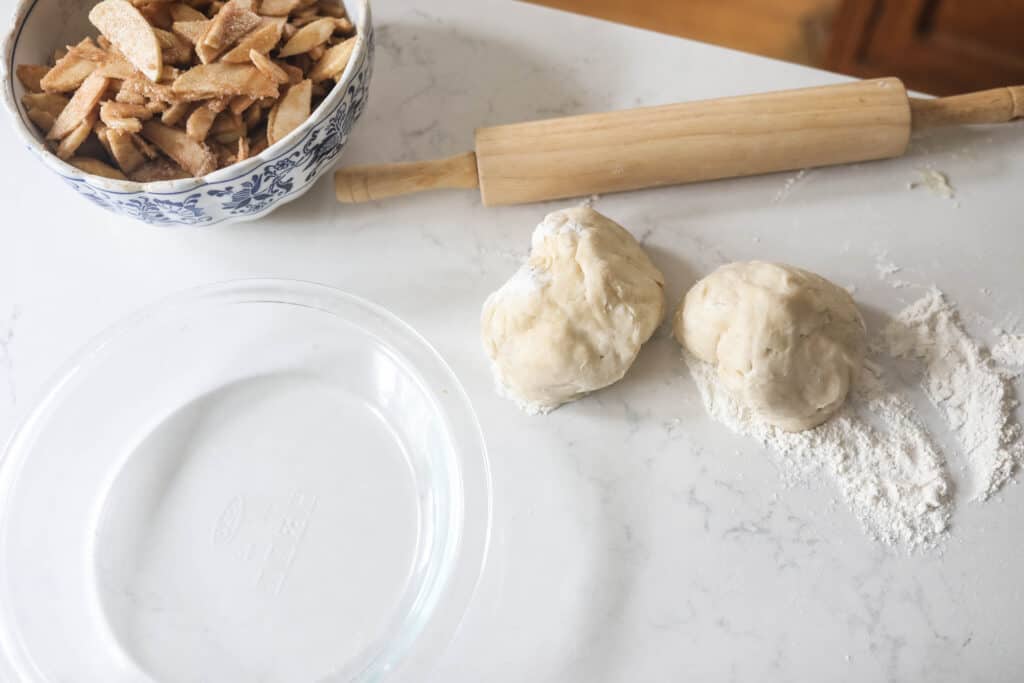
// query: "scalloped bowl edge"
[[154, 202]]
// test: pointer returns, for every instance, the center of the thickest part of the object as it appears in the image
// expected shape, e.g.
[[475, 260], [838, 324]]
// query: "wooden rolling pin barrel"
[[684, 143]]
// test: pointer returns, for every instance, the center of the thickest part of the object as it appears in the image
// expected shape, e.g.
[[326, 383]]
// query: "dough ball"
[[573, 317], [787, 343]]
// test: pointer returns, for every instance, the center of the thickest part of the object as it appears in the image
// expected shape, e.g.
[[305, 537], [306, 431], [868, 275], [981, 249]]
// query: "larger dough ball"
[[574, 316], [787, 343]]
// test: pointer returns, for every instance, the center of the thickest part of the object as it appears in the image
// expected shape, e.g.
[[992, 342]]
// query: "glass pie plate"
[[259, 480]]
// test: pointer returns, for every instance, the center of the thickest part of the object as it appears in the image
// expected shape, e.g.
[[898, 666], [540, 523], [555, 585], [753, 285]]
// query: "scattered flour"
[[789, 185], [1009, 349], [975, 398], [936, 181], [887, 269], [891, 475], [885, 266]]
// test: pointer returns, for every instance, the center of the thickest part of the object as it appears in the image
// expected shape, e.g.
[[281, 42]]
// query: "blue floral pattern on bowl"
[[144, 208], [317, 151], [249, 189]]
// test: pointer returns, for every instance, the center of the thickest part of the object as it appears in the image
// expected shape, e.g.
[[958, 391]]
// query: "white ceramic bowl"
[[245, 190]]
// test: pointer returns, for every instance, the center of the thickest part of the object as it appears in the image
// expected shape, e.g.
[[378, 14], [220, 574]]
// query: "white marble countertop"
[[634, 539]]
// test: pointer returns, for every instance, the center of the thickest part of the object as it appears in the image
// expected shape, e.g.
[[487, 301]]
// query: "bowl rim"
[[33, 140]]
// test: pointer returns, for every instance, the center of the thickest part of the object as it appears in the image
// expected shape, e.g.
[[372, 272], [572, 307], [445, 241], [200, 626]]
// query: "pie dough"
[[786, 343], [572, 319]]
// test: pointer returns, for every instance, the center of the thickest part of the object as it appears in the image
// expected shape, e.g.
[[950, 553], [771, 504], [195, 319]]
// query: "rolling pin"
[[684, 143]]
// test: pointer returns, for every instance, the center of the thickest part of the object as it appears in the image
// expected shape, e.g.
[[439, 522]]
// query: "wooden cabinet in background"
[[936, 46]]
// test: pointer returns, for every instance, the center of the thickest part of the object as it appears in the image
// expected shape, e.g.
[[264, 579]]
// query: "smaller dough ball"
[[573, 317], [787, 343]]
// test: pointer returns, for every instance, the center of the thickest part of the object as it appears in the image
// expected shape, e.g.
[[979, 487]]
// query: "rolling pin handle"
[[367, 183], [986, 106]]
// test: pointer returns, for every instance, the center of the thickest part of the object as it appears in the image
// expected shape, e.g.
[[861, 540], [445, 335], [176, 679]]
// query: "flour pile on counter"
[[892, 477], [1009, 349], [883, 460], [962, 381]]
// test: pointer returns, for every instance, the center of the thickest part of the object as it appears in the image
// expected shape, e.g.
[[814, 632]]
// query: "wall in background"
[[936, 46], [941, 47], [791, 30]]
